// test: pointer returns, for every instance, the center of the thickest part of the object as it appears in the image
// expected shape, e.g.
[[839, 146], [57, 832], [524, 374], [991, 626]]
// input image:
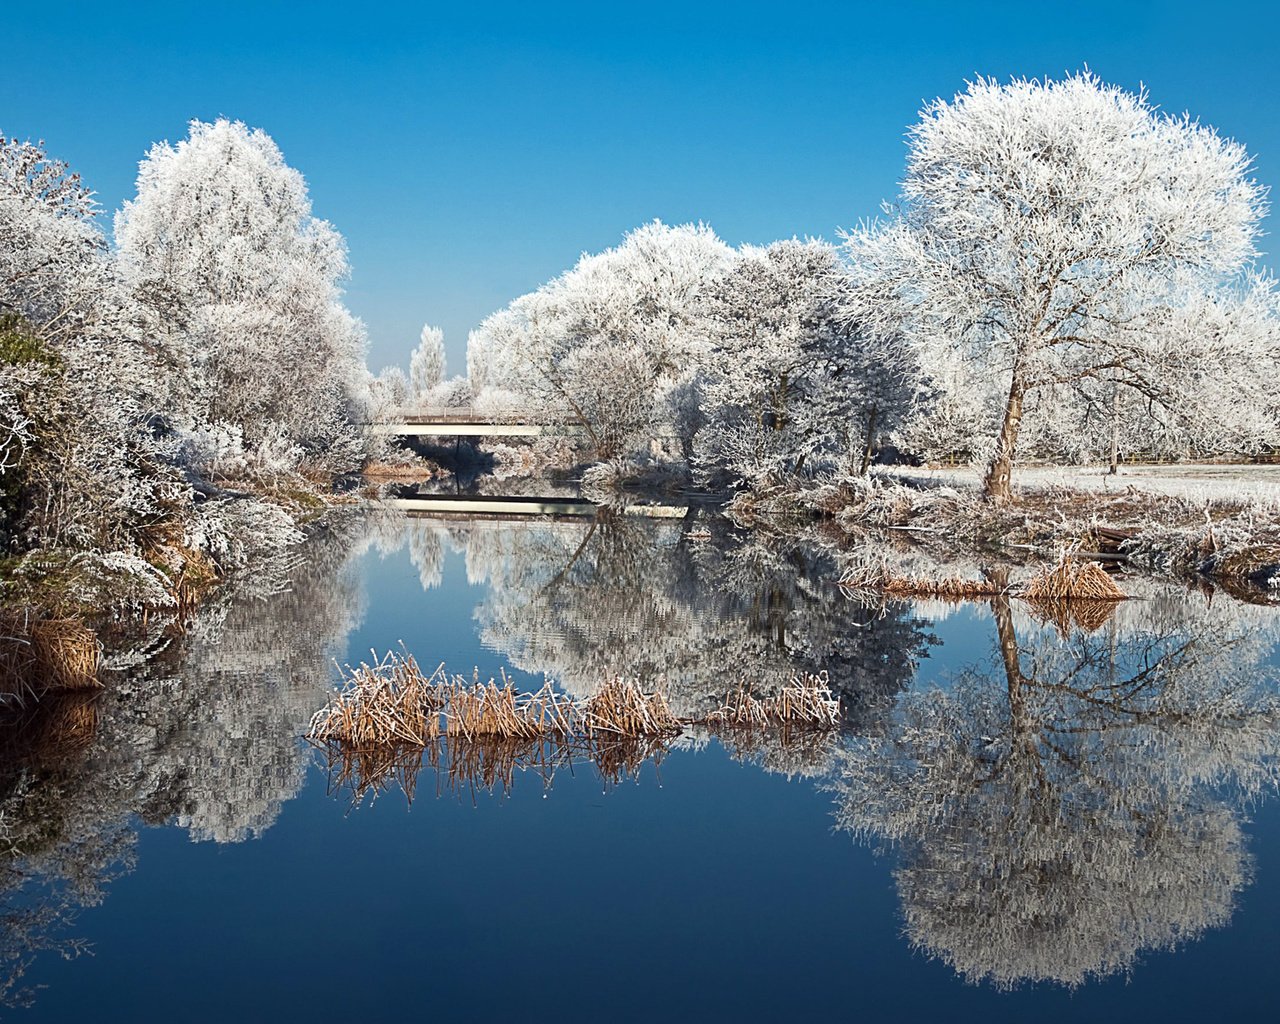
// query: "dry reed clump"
[[391, 718], [39, 655], [879, 578], [385, 703], [622, 708], [805, 700], [1072, 580]]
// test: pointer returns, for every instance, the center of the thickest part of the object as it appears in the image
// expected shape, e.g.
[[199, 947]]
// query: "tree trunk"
[[997, 485], [871, 436], [1115, 429]]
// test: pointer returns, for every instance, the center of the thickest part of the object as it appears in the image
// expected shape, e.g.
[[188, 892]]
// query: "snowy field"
[[1259, 485]]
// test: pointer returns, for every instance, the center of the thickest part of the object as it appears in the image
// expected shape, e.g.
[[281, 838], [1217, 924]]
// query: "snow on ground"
[[1255, 484]]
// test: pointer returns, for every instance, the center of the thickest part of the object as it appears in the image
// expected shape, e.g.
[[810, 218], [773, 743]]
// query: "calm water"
[[1021, 819]]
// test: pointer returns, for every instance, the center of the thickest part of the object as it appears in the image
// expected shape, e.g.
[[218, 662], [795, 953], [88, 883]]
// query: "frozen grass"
[[1255, 485], [391, 717]]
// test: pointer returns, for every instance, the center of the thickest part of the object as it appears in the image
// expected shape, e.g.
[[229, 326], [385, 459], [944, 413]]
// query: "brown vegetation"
[[410, 471], [39, 654], [880, 578], [1072, 580], [391, 718]]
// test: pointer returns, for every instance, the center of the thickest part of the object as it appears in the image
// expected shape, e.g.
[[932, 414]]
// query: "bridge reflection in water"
[[495, 506]]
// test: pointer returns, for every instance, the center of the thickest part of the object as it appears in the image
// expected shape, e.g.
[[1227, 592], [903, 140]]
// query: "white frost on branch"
[[1059, 237]]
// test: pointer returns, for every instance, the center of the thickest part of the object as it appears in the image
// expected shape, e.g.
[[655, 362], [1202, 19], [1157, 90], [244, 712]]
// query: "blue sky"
[[468, 152]]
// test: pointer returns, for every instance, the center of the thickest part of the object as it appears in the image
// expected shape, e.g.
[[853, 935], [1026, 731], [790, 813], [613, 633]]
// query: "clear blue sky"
[[471, 151]]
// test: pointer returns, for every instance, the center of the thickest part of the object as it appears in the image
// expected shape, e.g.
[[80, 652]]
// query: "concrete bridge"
[[466, 422]]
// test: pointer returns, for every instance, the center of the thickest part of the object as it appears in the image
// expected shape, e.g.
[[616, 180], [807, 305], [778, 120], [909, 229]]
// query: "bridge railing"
[[467, 415]]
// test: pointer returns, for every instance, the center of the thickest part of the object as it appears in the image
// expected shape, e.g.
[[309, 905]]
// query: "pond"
[[1027, 813]]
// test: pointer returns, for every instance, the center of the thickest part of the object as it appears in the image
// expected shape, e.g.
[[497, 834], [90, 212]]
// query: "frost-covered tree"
[[613, 342], [789, 376], [223, 226], [1049, 231], [81, 369], [426, 365]]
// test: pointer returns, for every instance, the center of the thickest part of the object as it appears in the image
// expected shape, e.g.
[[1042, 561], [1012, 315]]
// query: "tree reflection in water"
[[197, 729], [698, 610], [1056, 817]]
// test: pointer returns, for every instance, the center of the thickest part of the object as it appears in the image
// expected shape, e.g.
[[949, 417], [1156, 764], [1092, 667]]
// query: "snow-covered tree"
[[1047, 231], [614, 342], [426, 365], [789, 376], [80, 369], [223, 226]]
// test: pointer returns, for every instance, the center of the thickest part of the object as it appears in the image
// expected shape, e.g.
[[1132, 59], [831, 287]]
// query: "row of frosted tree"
[[1069, 274], [149, 383]]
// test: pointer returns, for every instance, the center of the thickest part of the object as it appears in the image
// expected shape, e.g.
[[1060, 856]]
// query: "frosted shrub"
[[453, 393], [233, 532], [215, 449], [276, 455], [107, 580], [496, 402], [15, 433]]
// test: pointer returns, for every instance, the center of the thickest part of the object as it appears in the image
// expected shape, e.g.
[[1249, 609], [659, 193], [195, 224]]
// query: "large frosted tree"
[[1049, 232], [789, 376], [224, 226], [614, 342]]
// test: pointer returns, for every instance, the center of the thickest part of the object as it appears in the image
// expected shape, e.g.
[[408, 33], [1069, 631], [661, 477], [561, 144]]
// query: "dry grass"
[[805, 700], [390, 719], [623, 709], [880, 578], [39, 655], [1072, 580]]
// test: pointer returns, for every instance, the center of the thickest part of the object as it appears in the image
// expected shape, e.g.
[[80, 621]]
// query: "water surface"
[[1024, 815]]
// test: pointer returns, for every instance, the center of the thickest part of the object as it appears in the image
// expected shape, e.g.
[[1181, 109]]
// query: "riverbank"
[[1218, 523], [240, 533]]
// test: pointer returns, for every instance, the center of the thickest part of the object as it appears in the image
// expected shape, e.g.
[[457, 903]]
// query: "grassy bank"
[[1228, 532]]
